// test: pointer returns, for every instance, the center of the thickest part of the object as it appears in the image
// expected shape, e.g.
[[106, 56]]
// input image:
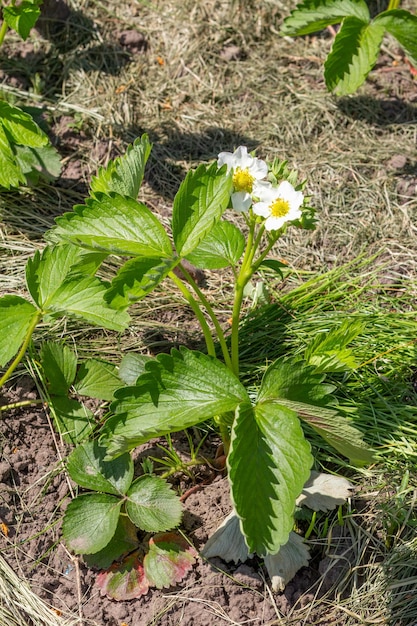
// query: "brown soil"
[[34, 494]]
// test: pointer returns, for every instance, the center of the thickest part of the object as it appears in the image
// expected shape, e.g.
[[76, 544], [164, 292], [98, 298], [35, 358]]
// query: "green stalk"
[[211, 350], [393, 4], [243, 278], [3, 31], [22, 403], [209, 309], [23, 348]]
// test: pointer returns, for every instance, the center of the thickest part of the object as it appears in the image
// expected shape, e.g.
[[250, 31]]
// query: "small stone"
[[134, 41], [231, 53], [397, 162]]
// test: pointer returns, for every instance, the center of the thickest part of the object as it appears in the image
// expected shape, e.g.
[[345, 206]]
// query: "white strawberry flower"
[[278, 204], [247, 170]]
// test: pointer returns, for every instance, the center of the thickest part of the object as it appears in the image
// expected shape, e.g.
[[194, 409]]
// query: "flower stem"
[[23, 348], [209, 309], [3, 31], [393, 4], [22, 403], [243, 278], [211, 350]]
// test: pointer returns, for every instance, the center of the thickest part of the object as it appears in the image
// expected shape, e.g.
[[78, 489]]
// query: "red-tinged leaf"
[[169, 559], [125, 580]]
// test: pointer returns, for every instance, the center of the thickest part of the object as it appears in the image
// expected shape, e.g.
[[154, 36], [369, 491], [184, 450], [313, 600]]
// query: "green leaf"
[[36, 163], [59, 364], [83, 297], [313, 15], [124, 175], [269, 462], [115, 224], [90, 522], [327, 352], [22, 17], [280, 268], [152, 505], [74, 421], [199, 203], [294, 380], [86, 465], [403, 26], [169, 559], [97, 379], [136, 279], [353, 55], [16, 316], [10, 173], [132, 366], [337, 430], [46, 271], [223, 247], [177, 391], [124, 540], [21, 127]]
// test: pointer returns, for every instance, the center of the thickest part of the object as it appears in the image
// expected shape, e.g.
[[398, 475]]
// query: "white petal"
[[287, 192], [323, 492], [258, 169], [262, 209], [241, 158], [225, 158], [264, 191], [274, 223], [227, 542], [283, 566], [241, 201]]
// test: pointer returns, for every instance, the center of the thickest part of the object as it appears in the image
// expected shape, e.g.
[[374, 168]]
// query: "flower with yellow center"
[[247, 170], [278, 204]]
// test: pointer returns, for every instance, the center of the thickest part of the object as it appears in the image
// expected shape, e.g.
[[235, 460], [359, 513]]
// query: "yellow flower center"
[[279, 208], [242, 180]]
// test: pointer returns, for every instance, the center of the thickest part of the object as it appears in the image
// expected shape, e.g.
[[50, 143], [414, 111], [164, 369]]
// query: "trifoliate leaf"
[[59, 364], [114, 224], [227, 542], [125, 580], [136, 279], [16, 316], [86, 465], [353, 55], [97, 379], [403, 26], [22, 17], [177, 391], [269, 462], [169, 559], [199, 203], [124, 175], [313, 15], [223, 247], [73, 420], [90, 522], [283, 566], [152, 505], [324, 492]]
